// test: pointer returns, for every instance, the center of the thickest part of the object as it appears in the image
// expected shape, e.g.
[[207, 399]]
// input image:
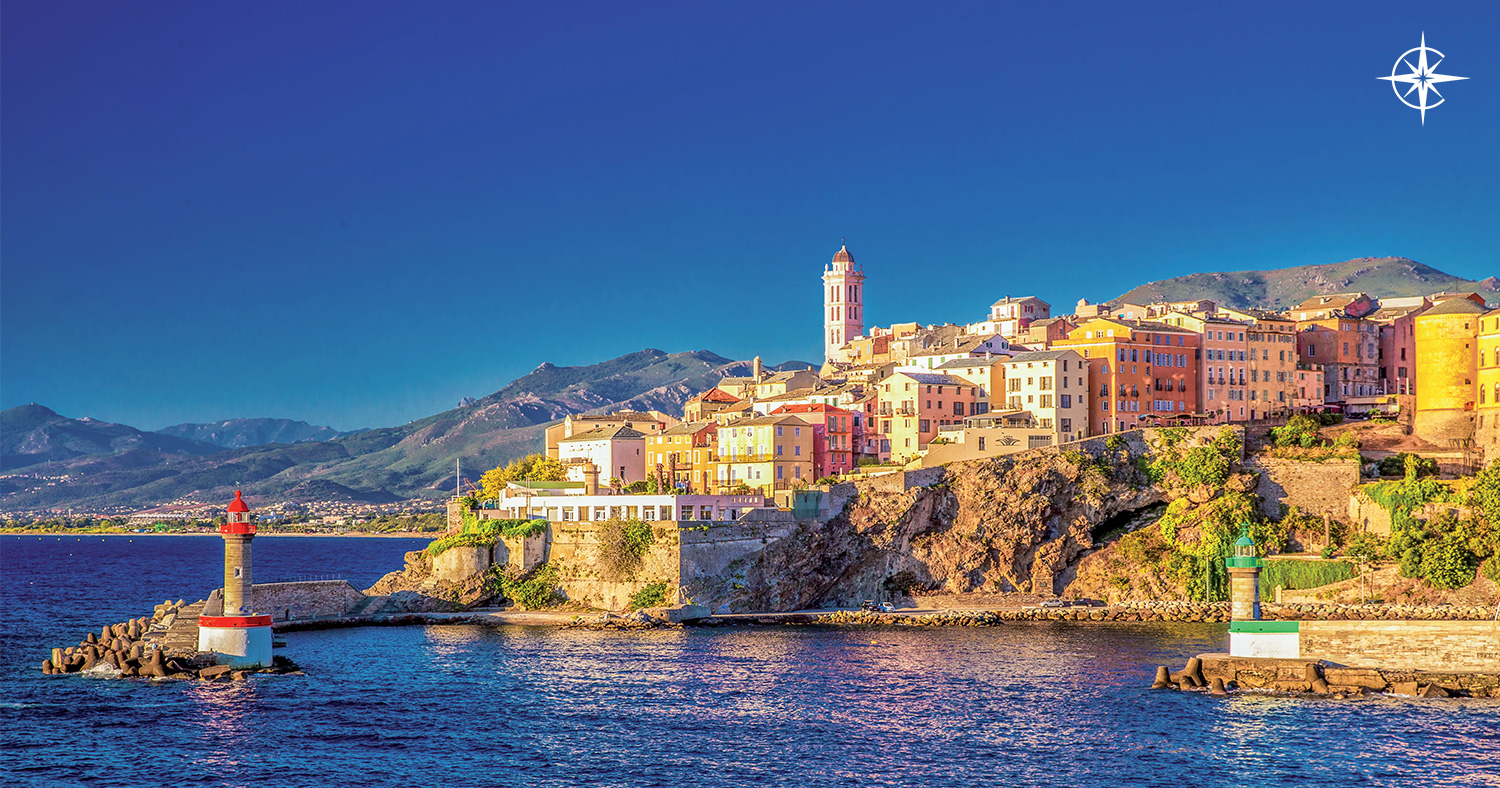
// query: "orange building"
[[1348, 349], [1139, 373]]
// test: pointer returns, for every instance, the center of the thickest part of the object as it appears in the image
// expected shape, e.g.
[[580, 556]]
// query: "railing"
[[299, 579]]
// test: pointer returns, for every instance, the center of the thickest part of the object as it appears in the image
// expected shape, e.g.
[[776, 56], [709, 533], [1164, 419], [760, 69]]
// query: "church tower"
[[843, 303]]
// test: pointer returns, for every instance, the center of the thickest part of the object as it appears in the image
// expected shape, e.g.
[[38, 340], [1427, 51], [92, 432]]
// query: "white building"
[[618, 453], [563, 503], [1009, 317]]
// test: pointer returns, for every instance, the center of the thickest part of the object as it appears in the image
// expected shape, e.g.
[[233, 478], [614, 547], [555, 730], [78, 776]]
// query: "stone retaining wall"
[[1469, 646], [1313, 487], [309, 599]]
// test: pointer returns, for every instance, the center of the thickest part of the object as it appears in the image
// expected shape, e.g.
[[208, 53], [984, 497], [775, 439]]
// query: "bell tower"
[[843, 303]]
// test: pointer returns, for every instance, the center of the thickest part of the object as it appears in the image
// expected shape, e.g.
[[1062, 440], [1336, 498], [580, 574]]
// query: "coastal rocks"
[[1015, 523], [434, 585], [1303, 677], [638, 620], [146, 647], [1375, 612]]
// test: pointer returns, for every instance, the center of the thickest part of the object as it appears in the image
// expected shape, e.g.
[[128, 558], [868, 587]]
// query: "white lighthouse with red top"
[[238, 636]]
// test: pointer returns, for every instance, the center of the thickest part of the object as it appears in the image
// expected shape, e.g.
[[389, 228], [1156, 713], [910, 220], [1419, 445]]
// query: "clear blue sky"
[[357, 213]]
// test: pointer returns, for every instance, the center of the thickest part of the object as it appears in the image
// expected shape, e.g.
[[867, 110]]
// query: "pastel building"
[[618, 453], [1010, 317], [1140, 373], [915, 405], [833, 436], [1051, 385], [1348, 349], [1273, 364], [686, 455], [1224, 366], [765, 453]]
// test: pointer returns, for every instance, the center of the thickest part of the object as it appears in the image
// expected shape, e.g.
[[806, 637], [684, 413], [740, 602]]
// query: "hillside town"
[[909, 395]]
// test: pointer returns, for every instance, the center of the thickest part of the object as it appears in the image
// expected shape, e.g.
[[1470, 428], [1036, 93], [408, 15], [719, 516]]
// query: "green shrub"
[[623, 545], [1115, 441], [532, 591], [1296, 574], [1491, 568], [481, 533], [653, 595], [1447, 565]]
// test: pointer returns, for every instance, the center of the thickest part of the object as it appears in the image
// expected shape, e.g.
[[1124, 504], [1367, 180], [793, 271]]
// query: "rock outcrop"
[[1015, 523]]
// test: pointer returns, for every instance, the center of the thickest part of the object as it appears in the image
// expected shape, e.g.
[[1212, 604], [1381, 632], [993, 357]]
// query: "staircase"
[[181, 635]]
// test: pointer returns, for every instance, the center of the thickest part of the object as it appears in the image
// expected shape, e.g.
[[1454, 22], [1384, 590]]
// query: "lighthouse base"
[[238, 641], [1279, 639]]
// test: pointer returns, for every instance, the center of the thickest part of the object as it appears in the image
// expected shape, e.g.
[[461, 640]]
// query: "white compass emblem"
[[1422, 78]]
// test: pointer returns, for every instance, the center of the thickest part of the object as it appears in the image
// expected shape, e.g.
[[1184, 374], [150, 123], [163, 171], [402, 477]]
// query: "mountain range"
[[243, 433], [1284, 288], [111, 466]]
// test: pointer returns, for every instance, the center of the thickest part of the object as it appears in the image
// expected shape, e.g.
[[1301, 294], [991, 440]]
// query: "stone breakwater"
[[1221, 674], [154, 646], [1186, 612]]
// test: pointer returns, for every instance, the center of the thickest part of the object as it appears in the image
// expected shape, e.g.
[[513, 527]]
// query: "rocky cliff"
[[1017, 523]]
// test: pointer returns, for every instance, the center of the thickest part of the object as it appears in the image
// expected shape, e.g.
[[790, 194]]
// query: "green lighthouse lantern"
[[1244, 579], [1245, 554]]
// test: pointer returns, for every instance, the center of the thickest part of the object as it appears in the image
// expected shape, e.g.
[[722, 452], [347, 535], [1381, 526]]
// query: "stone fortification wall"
[[1366, 515], [310, 599], [715, 556], [573, 549], [1314, 487], [1410, 645]]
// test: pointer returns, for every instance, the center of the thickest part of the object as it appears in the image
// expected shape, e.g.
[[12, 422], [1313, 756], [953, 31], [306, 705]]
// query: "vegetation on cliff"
[[533, 590], [484, 533], [623, 544]]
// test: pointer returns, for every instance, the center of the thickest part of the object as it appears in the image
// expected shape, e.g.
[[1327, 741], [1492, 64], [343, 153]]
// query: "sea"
[[1028, 704]]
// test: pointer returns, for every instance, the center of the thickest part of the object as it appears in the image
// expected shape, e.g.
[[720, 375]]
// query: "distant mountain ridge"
[[1283, 288], [242, 433], [33, 434], [374, 466]]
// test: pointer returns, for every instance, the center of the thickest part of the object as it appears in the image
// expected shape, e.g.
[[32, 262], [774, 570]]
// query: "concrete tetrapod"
[[1163, 678], [1217, 688]]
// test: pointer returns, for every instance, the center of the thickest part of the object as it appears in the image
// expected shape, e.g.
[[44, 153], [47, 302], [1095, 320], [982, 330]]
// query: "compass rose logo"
[[1422, 78]]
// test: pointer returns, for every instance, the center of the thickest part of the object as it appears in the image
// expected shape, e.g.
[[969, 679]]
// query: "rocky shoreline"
[[1222, 674], [145, 647]]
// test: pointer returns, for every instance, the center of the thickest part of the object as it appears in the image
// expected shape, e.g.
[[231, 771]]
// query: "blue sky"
[[357, 213]]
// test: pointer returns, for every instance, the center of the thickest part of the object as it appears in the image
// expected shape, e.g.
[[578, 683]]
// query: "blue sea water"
[[1019, 705]]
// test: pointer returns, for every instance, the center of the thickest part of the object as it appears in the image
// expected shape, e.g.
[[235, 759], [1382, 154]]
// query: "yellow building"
[[767, 453], [686, 454], [1487, 409], [1447, 349]]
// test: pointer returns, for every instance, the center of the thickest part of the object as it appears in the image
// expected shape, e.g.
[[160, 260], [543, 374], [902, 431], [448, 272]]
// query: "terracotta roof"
[[715, 394]]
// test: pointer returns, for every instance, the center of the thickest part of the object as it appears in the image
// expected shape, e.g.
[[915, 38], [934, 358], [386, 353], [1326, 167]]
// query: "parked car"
[[887, 607], [867, 605], [1088, 603], [1051, 603]]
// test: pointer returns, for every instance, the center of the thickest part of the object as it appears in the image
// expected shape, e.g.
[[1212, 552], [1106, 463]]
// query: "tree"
[[532, 467]]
